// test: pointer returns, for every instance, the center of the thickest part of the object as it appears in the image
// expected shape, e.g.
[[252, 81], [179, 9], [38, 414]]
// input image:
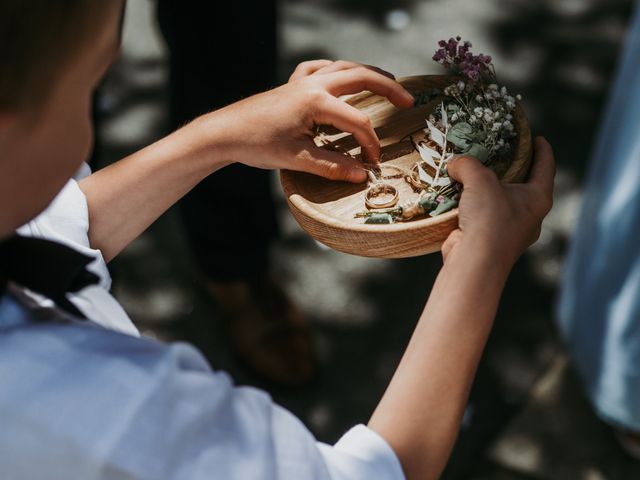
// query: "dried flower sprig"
[[458, 59], [475, 117]]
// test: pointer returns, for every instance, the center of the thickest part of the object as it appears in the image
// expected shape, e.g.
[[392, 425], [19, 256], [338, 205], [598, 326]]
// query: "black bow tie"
[[45, 267]]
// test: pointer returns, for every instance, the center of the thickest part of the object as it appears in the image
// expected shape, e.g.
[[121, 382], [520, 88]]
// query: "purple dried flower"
[[458, 58], [452, 47]]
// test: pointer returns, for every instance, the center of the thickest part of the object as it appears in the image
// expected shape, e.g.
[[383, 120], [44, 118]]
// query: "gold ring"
[[380, 189], [413, 179], [377, 169], [400, 172]]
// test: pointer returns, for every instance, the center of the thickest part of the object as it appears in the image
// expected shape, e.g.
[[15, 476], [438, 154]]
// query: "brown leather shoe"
[[268, 333]]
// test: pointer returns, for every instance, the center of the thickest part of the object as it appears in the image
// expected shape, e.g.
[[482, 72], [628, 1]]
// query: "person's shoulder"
[[81, 395], [84, 355]]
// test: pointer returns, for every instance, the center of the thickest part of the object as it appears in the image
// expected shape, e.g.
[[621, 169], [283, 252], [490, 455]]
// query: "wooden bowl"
[[326, 209]]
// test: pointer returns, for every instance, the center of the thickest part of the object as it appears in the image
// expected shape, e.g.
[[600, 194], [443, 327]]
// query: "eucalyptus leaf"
[[436, 135], [429, 202], [479, 151], [479, 136], [444, 206], [461, 135], [379, 218]]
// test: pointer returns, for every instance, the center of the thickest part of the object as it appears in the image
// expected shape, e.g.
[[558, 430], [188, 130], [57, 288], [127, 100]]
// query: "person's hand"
[[505, 218], [321, 67], [275, 129]]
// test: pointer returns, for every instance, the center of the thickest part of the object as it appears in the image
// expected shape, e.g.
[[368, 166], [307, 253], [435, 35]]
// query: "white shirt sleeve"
[[189, 423], [66, 220], [362, 453]]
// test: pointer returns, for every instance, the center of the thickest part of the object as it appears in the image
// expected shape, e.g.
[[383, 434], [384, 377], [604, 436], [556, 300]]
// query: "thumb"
[[332, 165], [468, 170]]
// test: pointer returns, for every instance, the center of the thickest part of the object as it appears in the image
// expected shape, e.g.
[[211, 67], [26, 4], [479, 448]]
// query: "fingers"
[[305, 69], [330, 164], [341, 65], [333, 111], [543, 169], [356, 80], [469, 171], [321, 67]]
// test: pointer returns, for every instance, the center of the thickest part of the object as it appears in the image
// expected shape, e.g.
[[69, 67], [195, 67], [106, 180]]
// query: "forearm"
[[420, 413], [126, 197]]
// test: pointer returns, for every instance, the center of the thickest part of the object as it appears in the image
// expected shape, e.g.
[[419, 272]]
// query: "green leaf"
[[479, 136], [379, 218], [444, 206], [479, 151], [429, 202], [461, 135]]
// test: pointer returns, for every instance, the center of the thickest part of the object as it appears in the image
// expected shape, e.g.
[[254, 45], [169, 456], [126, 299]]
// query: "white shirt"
[[92, 401]]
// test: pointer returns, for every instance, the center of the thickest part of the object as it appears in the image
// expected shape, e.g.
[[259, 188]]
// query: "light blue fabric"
[[599, 309], [78, 401]]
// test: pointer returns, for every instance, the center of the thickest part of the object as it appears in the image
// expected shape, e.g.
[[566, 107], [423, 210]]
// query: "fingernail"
[[409, 97], [357, 175]]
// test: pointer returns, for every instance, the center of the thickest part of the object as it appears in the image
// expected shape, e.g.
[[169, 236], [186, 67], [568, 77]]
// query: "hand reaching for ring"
[[275, 129]]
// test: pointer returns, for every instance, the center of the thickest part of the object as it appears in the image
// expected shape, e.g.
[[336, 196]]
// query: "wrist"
[[212, 142], [484, 253]]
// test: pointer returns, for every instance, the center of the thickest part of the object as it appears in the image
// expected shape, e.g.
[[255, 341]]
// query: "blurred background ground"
[[528, 418]]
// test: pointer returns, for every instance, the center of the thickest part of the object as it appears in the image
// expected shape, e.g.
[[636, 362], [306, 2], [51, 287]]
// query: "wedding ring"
[[400, 172], [378, 189], [378, 170], [413, 179]]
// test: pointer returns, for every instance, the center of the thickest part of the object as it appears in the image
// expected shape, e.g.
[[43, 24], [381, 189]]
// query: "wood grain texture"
[[326, 209]]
